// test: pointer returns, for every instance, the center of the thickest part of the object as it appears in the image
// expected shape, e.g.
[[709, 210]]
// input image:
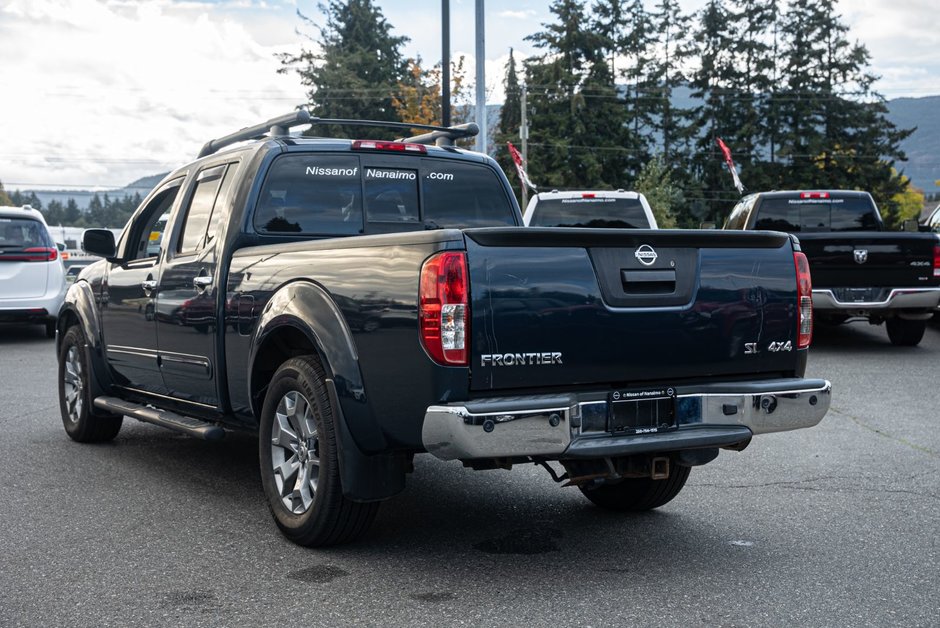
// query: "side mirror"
[[99, 242], [60, 246], [708, 225]]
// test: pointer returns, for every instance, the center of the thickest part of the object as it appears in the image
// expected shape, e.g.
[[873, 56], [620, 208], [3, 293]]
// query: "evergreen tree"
[[510, 121], [664, 196], [577, 118], [4, 199], [836, 129], [754, 24], [357, 70], [628, 40], [72, 214], [55, 213], [637, 46], [713, 84], [667, 74]]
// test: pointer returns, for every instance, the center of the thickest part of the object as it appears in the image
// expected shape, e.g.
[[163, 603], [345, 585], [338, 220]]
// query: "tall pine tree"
[[357, 69], [577, 117], [836, 129], [510, 120]]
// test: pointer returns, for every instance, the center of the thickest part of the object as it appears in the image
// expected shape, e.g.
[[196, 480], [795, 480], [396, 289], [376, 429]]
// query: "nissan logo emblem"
[[646, 255]]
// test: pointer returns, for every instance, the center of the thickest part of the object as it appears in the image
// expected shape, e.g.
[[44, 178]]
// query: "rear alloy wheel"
[[299, 463], [905, 333], [82, 423], [638, 494]]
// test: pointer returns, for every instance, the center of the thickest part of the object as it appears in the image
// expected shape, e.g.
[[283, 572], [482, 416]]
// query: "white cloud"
[[113, 91], [517, 15]]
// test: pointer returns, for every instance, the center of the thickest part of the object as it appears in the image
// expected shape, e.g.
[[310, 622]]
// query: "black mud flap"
[[364, 478]]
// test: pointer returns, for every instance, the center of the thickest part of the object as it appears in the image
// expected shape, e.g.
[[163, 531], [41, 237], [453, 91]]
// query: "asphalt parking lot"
[[835, 525]]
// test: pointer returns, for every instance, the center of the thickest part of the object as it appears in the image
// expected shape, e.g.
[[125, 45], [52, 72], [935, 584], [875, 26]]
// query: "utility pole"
[[524, 136], [445, 62], [481, 77]]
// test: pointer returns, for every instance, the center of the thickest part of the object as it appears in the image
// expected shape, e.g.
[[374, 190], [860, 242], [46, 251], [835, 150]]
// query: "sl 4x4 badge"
[[750, 348]]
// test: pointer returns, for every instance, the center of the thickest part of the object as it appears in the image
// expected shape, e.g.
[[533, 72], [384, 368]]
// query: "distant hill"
[[83, 197], [923, 146]]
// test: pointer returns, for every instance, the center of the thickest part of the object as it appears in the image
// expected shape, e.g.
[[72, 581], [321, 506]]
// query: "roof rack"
[[281, 125]]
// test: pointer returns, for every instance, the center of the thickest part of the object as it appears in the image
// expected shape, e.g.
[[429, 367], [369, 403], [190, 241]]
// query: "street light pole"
[[445, 62], [481, 77]]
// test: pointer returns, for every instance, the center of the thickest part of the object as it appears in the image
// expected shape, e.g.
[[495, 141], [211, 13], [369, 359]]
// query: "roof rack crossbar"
[[281, 125], [275, 126]]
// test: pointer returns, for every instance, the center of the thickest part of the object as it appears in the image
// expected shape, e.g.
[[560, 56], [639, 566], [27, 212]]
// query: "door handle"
[[202, 282]]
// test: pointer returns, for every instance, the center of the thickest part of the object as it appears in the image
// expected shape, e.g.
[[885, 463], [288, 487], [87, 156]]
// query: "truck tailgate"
[[870, 260], [569, 307]]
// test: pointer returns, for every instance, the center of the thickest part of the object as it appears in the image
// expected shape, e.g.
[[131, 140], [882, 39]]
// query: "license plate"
[[642, 411]]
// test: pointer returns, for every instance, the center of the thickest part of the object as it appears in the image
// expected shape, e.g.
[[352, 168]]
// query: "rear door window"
[[198, 218]]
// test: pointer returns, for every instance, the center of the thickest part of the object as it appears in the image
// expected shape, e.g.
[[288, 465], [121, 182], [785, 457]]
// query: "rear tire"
[[905, 333], [82, 423], [299, 464], [50, 329], [639, 494]]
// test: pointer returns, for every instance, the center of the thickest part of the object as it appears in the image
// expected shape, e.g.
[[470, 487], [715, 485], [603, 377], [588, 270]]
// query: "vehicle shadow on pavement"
[[861, 337], [17, 334], [513, 519]]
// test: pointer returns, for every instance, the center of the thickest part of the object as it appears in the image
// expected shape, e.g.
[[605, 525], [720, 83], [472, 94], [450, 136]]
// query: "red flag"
[[520, 166], [734, 173]]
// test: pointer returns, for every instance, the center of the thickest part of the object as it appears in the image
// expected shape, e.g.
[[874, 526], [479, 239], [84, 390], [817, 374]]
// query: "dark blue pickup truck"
[[356, 302]]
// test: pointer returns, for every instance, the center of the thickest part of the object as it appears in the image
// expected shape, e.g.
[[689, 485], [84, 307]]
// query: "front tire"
[[82, 423], [299, 464], [639, 494], [905, 333]]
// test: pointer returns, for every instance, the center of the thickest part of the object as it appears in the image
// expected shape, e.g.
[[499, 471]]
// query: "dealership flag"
[[520, 167], [734, 173]]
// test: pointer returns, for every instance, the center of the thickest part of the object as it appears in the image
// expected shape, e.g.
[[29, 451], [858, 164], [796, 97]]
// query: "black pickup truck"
[[859, 269], [355, 303]]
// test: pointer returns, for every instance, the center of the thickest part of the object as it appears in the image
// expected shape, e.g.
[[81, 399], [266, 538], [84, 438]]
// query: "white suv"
[[32, 276], [589, 208]]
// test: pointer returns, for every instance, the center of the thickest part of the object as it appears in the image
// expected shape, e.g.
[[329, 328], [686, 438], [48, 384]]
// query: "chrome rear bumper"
[[576, 425], [896, 299]]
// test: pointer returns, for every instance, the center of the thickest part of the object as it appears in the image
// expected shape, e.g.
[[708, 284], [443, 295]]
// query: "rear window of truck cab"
[[338, 195], [593, 211], [795, 214]]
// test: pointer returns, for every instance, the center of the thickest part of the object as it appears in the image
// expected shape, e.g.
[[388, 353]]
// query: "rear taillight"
[[33, 254], [445, 311], [804, 299], [936, 261]]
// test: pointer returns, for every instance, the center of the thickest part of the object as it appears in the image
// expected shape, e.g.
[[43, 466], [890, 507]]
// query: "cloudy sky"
[[97, 93]]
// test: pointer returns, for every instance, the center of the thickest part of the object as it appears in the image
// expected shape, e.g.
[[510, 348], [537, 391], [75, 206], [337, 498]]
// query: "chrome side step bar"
[[164, 418]]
